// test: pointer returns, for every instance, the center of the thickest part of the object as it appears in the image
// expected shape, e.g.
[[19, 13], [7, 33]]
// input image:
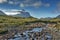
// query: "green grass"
[[9, 21]]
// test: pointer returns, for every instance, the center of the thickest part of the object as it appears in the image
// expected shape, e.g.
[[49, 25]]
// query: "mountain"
[[22, 13], [18, 13], [2, 13], [58, 16], [47, 18]]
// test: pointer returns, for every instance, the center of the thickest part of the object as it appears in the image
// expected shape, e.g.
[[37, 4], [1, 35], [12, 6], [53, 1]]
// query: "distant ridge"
[[21, 13], [2, 13], [58, 16]]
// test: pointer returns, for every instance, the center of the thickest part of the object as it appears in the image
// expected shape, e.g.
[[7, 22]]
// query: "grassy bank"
[[8, 21]]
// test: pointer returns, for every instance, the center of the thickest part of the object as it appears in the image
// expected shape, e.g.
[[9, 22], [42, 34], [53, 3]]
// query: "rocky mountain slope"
[[58, 16], [2, 13], [22, 14]]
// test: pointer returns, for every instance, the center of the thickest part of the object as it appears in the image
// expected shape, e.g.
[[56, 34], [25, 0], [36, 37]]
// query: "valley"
[[9, 26]]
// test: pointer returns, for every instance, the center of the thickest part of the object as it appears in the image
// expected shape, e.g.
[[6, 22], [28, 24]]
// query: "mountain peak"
[[22, 14], [18, 13], [58, 16], [2, 13], [22, 10]]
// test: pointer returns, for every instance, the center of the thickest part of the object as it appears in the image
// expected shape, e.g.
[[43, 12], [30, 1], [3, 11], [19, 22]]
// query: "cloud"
[[11, 2], [58, 7], [47, 5], [26, 1], [35, 4], [22, 5], [29, 3], [11, 12], [57, 10], [2, 1]]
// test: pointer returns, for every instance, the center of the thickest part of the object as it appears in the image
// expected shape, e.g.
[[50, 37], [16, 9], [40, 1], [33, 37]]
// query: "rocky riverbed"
[[34, 34]]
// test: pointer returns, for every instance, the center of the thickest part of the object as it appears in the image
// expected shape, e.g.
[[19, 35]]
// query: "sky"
[[37, 8]]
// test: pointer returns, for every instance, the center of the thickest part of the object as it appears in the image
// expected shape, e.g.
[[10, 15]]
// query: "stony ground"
[[55, 34]]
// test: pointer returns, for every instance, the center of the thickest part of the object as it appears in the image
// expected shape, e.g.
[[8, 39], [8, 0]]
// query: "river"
[[33, 34]]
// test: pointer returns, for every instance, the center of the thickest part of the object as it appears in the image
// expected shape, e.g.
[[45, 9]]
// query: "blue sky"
[[37, 8]]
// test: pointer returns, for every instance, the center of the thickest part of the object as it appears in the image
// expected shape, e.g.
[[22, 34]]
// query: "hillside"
[[6, 21], [9, 21], [22, 14], [2, 13], [58, 16], [19, 13]]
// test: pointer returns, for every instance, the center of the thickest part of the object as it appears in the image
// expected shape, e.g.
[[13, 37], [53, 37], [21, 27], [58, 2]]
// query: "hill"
[[2, 13], [9, 21], [19, 13], [22, 14], [6, 21], [58, 16]]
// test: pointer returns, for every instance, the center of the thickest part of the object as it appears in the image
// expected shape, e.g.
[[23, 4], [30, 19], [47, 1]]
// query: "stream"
[[33, 34]]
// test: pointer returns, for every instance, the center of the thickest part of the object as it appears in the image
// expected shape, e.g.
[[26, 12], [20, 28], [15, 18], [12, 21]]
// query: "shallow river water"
[[26, 35]]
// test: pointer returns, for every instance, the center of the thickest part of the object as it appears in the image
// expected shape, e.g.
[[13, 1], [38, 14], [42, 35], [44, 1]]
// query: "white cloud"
[[26, 1], [34, 4], [11, 11], [58, 7], [14, 2], [37, 4], [2, 1], [11, 2], [47, 5], [57, 10], [22, 5]]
